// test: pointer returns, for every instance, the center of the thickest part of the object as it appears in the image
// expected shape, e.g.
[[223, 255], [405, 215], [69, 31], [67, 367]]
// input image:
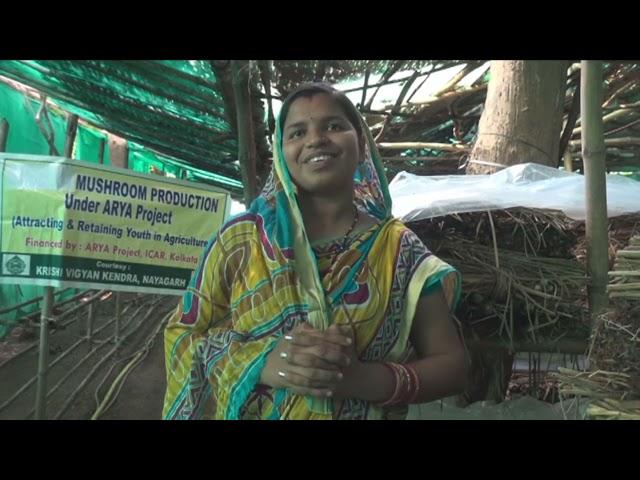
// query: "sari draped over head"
[[259, 277]]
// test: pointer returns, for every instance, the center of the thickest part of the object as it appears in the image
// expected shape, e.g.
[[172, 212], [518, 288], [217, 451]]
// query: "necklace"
[[356, 217], [341, 246]]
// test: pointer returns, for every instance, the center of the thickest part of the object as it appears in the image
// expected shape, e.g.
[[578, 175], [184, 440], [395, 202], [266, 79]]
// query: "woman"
[[315, 303]]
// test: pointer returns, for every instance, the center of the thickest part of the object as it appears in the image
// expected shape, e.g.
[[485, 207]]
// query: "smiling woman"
[[315, 303]]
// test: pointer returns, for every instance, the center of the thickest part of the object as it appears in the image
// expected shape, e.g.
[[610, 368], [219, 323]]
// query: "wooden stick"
[[629, 83], [625, 295], [4, 134], [403, 79], [448, 96], [568, 161], [458, 77], [363, 101], [624, 286], [606, 118], [72, 129], [612, 142], [419, 145], [628, 254], [265, 73], [385, 77], [625, 273], [421, 159], [419, 87], [404, 91], [623, 127]]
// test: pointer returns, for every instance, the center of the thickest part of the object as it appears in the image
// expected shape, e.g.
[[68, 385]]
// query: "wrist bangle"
[[396, 386], [407, 385]]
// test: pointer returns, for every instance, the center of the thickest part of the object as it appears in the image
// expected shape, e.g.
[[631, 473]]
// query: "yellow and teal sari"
[[260, 276]]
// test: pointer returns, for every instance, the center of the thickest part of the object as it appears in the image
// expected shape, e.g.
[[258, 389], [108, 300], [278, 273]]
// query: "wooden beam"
[[246, 141], [593, 154]]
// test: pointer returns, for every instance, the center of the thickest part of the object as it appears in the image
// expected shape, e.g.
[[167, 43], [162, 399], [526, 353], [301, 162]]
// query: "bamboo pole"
[[265, 73], [445, 158], [72, 130], [613, 142], [593, 154], [90, 318], [400, 80], [568, 161], [606, 118], [43, 357], [365, 86], [118, 313], [29, 302], [447, 147], [101, 151], [458, 77], [4, 134], [246, 143]]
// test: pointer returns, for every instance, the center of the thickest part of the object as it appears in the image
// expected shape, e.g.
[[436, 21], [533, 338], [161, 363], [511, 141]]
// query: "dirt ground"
[[141, 395]]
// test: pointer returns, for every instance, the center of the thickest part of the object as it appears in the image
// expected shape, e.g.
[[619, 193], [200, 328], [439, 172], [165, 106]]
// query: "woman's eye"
[[334, 127]]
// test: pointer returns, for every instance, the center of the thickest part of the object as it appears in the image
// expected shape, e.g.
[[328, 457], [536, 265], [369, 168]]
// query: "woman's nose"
[[316, 138]]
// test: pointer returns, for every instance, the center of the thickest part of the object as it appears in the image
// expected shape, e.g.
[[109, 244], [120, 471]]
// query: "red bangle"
[[416, 384], [407, 385], [397, 385]]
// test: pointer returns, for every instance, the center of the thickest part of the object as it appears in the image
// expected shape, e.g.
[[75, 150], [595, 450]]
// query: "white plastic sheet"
[[525, 185]]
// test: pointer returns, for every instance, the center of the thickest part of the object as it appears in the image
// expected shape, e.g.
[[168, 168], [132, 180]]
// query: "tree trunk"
[[521, 123], [522, 118]]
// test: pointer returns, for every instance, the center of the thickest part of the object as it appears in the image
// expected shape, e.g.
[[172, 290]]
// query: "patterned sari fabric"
[[260, 277]]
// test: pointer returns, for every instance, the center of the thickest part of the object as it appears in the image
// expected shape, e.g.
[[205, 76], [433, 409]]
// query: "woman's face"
[[320, 145]]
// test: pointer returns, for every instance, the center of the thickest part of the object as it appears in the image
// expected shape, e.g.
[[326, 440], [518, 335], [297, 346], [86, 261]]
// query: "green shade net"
[[172, 107], [25, 137]]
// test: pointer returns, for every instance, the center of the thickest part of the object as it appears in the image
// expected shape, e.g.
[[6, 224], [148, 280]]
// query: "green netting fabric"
[[172, 107], [26, 137]]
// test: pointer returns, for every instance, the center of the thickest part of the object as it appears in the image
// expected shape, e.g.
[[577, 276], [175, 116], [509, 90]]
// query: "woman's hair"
[[307, 90]]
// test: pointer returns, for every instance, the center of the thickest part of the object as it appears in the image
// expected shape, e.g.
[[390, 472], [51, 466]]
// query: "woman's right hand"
[[307, 361]]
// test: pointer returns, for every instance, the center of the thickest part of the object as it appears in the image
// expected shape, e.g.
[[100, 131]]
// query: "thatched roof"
[[185, 109]]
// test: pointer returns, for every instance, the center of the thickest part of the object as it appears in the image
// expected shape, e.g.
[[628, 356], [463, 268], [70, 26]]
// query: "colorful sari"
[[260, 277]]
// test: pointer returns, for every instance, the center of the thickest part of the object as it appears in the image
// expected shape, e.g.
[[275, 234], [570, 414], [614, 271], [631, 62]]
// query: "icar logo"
[[15, 265]]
